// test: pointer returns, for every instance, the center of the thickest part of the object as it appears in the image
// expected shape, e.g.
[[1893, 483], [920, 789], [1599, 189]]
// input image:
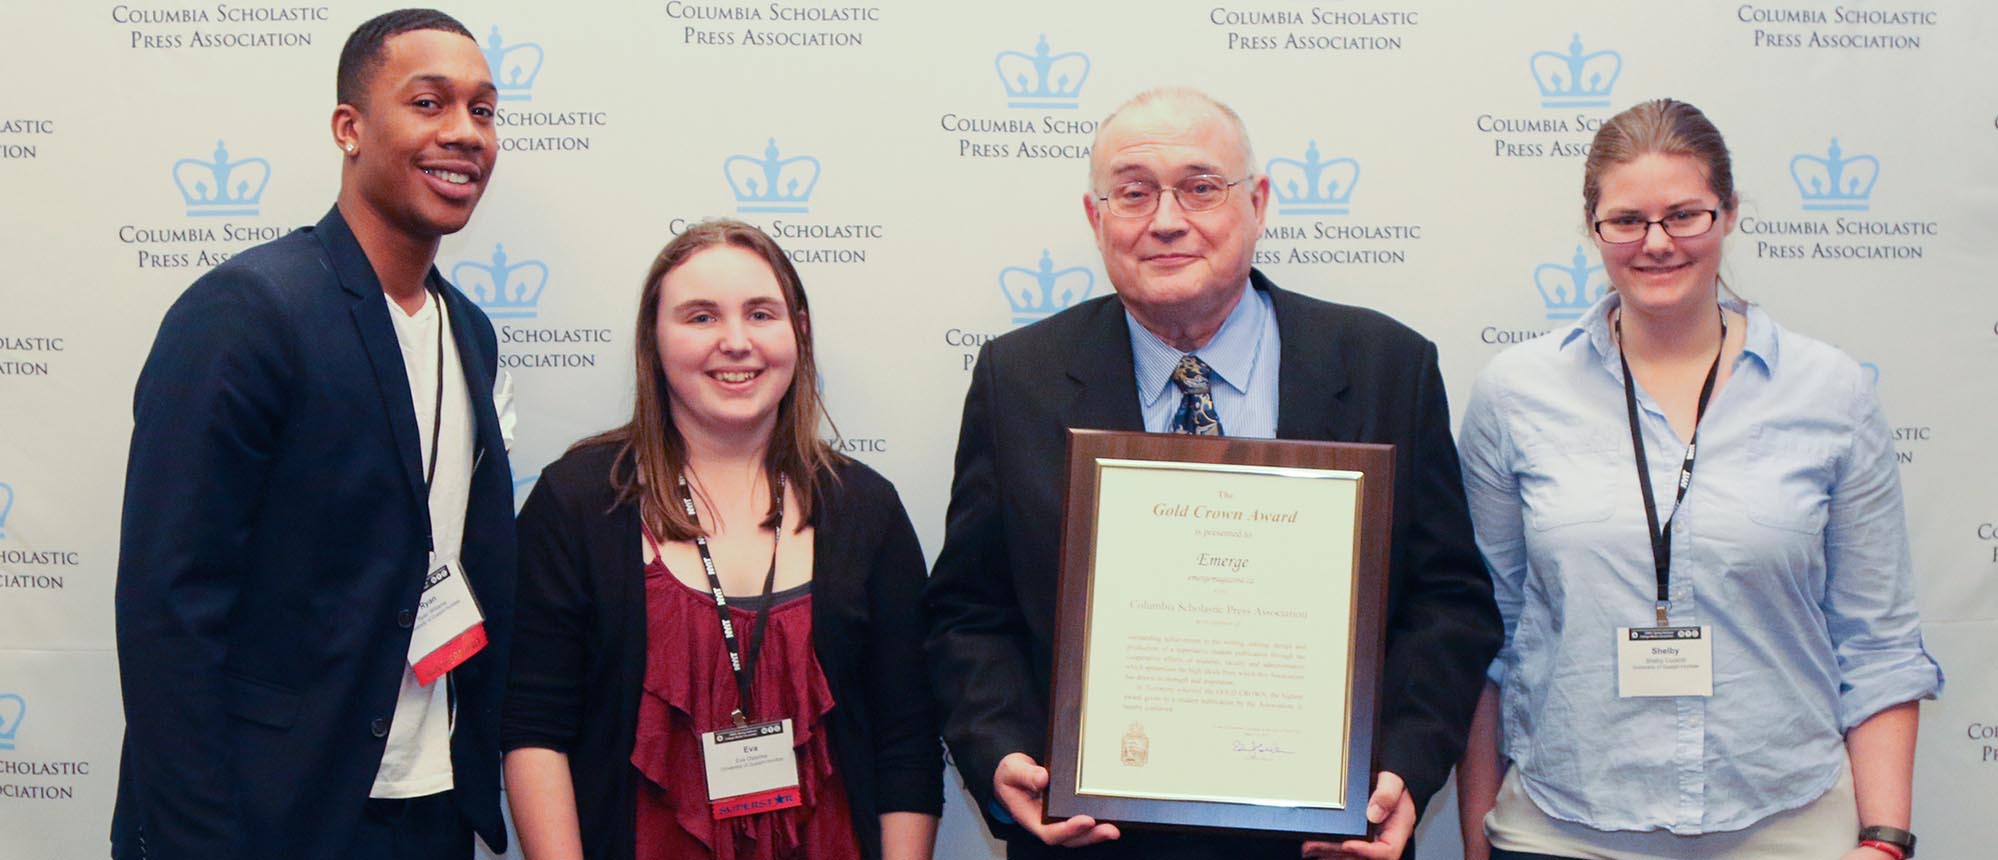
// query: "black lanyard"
[[1661, 538], [743, 664], [436, 412]]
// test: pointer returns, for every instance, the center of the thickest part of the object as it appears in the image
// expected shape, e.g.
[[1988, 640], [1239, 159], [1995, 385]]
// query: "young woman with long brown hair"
[[720, 625]]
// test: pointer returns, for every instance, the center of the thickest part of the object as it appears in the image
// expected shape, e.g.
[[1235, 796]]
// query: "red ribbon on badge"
[[750, 804], [453, 654]]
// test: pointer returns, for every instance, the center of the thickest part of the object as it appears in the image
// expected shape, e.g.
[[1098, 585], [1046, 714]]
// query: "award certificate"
[[1219, 633]]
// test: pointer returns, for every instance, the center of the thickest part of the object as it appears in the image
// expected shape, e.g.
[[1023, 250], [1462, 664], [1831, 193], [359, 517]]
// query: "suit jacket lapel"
[[1103, 374], [370, 311], [478, 382], [1311, 382]]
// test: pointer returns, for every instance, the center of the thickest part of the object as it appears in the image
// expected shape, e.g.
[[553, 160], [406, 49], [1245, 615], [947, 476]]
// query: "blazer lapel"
[[370, 311], [1101, 369], [1311, 382], [478, 382]]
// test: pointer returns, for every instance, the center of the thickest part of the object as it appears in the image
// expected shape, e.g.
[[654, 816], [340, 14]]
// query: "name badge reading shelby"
[[751, 769], [1664, 661]]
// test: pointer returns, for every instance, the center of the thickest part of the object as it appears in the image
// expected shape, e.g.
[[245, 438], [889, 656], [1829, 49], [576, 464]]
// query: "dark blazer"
[[273, 547], [1346, 374], [579, 659]]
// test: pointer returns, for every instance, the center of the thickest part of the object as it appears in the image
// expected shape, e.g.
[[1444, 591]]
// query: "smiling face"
[[1173, 267], [421, 146], [1659, 274], [726, 344]]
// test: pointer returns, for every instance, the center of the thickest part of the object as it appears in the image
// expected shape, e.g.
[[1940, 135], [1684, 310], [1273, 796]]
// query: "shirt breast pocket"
[[1569, 481], [1790, 476]]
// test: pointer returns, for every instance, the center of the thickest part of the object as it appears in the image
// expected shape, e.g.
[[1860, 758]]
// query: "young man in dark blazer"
[[316, 456], [1177, 206]]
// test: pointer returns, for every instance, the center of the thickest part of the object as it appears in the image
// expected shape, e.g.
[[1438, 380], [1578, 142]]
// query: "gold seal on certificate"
[[1137, 747], [1219, 637]]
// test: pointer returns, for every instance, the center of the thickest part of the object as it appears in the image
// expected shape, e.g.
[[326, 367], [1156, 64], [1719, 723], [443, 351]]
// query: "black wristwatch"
[[1894, 836]]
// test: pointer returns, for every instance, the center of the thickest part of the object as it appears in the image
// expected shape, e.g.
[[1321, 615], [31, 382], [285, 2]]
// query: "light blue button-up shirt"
[[1791, 543], [1242, 360]]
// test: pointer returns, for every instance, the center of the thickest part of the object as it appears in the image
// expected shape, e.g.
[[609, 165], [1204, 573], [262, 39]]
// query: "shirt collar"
[[1594, 329], [1761, 341], [1230, 354]]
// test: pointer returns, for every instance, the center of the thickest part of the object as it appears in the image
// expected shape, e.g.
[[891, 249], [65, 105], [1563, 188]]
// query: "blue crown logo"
[[1836, 182], [1569, 290], [1575, 79], [6, 506], [1042, 79], [1037, 293], [772, 184], [1312, 186], [222, 187], [514, 67], [504, 290], [13, 709]]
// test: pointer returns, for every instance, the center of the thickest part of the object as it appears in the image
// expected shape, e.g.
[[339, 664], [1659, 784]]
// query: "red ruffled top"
[[690, 689]]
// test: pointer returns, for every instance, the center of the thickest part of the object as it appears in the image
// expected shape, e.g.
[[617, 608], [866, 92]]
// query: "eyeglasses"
[[1140, 198], [1683, 224]]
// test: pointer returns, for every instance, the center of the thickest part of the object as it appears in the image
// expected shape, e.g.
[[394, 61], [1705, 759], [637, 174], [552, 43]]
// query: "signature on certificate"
[[1252, 748]]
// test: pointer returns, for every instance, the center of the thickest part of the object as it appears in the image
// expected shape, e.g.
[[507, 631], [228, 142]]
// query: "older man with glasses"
[[1193, 341]]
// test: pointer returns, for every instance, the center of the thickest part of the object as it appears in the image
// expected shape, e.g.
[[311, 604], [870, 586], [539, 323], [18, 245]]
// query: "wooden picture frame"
[[1220, 633]]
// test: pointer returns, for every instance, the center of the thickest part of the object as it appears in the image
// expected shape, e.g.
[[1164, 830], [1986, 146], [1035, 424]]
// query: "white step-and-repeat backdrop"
[[924, 162]]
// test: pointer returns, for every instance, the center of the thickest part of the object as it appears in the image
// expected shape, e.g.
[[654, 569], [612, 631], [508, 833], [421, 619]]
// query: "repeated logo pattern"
[[1569, 290], [1835, 182], [1575, 78], [1038, 293], [1043, 79], [1313, 185], [514, 67], [772, 183], [222, 186], [504, 289], [13, 709]]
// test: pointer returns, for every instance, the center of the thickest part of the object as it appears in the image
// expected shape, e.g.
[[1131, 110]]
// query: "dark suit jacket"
[[273, 547], [580, 653], [1346, 374]]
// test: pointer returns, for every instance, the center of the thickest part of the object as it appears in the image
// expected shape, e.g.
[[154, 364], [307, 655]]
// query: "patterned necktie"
[[1196, 407]]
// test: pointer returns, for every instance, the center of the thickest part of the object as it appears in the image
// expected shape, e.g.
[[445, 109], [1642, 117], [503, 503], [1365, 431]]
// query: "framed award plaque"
[[1219, 634]]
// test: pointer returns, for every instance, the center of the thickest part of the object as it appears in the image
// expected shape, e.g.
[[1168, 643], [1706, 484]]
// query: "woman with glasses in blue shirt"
[[1693, 520]]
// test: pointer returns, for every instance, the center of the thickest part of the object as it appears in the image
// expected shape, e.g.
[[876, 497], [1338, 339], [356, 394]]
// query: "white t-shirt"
[[418, 759]]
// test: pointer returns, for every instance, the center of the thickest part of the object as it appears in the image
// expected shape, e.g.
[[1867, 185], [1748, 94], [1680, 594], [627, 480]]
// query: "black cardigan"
[[580, 635]]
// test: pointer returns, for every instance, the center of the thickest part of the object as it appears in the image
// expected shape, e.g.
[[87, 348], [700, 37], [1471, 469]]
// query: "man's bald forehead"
[[1171, 108]]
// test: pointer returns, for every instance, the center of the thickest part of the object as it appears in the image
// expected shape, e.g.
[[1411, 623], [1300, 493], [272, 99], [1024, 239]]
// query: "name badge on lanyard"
[[751, 767], [1665, 660], [449, 627]]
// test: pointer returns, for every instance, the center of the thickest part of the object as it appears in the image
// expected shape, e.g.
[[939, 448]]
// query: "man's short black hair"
[[363, 53]]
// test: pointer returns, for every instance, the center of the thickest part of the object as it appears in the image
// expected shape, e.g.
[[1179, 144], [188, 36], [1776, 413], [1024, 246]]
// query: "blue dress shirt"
[[1242, 358], [1791, 543]]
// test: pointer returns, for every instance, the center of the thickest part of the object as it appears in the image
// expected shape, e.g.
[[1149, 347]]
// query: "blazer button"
[[405, 619], [379, 728]]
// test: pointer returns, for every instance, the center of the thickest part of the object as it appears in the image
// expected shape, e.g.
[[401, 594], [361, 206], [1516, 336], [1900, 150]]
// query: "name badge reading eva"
[[1664, 661], [751, 769], [449, 627]]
